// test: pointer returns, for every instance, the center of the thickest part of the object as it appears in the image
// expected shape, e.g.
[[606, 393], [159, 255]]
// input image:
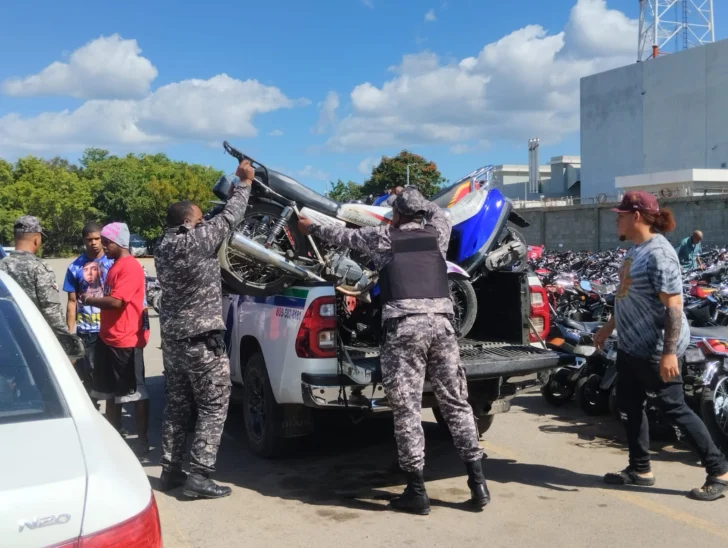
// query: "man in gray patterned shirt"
[[653, 334]]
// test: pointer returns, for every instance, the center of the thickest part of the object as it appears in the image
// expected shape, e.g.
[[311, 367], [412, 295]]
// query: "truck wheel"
[[482, 424], [262, 416]]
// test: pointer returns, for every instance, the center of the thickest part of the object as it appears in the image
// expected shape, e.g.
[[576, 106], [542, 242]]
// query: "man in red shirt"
[[124, 332]]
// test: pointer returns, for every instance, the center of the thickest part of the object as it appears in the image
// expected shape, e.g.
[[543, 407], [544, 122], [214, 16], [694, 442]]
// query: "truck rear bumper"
[[340, 392], [481, 360]]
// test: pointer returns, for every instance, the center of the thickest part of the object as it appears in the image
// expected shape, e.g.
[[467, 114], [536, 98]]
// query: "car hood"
[[42, 482]]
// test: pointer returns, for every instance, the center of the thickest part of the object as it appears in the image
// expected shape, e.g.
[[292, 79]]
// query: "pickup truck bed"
[[482, 360]]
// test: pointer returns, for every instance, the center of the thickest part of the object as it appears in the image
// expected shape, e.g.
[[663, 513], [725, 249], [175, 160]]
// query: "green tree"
[[392, 172], [137, 189], [52, 192], [344, 192]]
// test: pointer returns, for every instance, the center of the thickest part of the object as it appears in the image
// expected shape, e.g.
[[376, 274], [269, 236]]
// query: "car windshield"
[[27, 389]]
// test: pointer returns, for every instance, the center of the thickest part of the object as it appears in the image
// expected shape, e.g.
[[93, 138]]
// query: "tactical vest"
[[417, 269]]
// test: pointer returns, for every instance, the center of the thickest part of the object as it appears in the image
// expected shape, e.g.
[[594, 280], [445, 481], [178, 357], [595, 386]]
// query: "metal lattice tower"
[[674, 25]]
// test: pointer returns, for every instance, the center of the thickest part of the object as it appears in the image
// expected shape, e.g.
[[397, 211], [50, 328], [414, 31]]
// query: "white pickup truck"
[[286, 359]]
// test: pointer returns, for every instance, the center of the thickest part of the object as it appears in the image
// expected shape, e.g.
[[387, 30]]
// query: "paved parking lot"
[[544, 471]]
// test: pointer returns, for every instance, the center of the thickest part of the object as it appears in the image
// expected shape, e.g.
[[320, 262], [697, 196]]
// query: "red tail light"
[[317, 335], [141, 531], [540, 316]]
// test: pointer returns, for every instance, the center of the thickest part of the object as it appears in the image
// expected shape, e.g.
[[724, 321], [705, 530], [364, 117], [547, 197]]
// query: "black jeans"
[[85, 366], [638, 376]]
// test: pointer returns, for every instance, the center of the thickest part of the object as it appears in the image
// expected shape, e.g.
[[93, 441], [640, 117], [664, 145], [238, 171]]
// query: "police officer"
[[35, 276], [419, 336], [196, 365]]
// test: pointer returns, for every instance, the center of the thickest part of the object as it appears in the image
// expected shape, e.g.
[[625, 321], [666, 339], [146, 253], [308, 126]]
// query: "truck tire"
[[262, 416], [482, 423]]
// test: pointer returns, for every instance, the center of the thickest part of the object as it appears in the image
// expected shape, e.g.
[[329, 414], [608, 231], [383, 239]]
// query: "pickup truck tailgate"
[[482, 360]]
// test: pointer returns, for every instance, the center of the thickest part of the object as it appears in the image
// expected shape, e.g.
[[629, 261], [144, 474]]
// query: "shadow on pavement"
[[599, 432], [354, 467]]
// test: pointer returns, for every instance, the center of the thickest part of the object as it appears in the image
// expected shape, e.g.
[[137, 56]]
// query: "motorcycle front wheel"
[[247, 276]]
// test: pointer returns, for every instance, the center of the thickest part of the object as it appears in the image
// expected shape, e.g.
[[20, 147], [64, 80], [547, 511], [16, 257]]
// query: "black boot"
[[199, 486], [171, 479], [479, 494], [414, 500]]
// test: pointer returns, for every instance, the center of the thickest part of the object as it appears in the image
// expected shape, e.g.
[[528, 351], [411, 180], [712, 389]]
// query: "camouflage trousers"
[[194, 373], [419, 345]]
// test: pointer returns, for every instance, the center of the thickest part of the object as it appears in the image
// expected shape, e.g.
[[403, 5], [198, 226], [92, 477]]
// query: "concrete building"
[[663, 115], [565, 179], [511, 180], [559, 178], [677, 184]]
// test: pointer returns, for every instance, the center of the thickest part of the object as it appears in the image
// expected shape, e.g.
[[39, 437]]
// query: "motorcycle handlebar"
[[240, 157]]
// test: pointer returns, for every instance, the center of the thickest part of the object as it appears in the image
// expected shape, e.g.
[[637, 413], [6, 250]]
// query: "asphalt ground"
[[544, 470]]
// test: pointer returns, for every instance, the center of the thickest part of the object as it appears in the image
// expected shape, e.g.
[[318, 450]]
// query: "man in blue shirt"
[[688, 251], [86, 275]]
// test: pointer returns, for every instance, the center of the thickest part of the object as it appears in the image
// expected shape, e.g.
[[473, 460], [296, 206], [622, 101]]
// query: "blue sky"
[[319, 90]]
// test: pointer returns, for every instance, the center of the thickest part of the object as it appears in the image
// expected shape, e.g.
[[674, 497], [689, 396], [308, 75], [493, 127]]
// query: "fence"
[[593, 227]]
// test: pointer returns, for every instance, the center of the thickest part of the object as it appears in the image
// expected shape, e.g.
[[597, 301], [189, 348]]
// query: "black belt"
[[212, 339]]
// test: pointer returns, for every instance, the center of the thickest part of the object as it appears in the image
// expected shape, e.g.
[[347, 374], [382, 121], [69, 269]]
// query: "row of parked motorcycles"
[[582, 288]]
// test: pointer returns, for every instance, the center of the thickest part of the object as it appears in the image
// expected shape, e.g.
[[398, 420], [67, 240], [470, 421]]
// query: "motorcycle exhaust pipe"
[[246, 246]]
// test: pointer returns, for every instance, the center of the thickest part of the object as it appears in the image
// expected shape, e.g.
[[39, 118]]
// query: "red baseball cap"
[[635, 200]]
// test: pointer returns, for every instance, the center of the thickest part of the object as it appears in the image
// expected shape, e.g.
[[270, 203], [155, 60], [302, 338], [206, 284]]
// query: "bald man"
[[688, 251]]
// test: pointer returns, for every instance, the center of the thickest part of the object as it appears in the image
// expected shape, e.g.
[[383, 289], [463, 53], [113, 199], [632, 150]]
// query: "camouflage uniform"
[[191, 324], [423, 342], [36, 278]]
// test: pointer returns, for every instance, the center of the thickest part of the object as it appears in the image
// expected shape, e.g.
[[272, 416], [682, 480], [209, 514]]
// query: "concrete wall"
[[593, 226], [661, 115]]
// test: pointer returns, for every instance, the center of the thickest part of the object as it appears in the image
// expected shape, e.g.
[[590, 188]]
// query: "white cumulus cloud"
[[310, 172], [191, 110], [430, 16], [327, 113], [523, 85], [366, 165], [105, 68]]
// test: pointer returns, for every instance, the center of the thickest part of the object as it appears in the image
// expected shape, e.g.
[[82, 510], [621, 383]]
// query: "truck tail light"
[[140, 531], [540, 316], [316, 337]]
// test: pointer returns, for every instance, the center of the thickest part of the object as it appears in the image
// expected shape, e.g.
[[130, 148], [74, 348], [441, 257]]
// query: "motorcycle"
[[576, 338], [266, 253], [153, 291]]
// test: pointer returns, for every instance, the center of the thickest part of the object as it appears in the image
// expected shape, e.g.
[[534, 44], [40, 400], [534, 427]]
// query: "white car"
[[68, 478], [137, 246]]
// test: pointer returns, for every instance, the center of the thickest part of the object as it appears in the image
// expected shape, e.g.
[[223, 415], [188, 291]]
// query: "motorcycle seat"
[[303, 196], [712, 332]]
